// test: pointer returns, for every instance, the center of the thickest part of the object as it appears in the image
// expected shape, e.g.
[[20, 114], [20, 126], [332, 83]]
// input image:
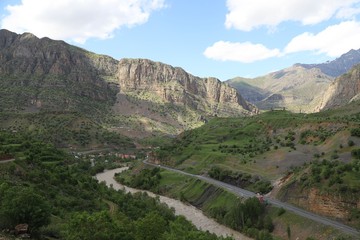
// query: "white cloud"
[[77, 20], [241, 52], [348, 13], [246, 15], [333, 41]]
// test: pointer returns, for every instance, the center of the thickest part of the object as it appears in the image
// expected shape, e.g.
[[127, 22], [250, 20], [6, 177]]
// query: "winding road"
[[245, 193]]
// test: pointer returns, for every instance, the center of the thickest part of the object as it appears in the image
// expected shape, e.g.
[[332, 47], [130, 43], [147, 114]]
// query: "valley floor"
[[191, 213]]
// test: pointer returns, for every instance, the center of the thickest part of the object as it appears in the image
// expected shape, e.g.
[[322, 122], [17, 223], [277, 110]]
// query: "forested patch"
[[57, 197]]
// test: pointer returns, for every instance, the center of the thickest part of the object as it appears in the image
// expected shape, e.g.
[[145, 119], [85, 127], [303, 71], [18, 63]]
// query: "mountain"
[[295, 88], [43, 75], [338, 66], [343, 90]]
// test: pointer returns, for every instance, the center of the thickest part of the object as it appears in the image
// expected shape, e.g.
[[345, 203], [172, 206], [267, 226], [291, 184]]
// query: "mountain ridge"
[[338, 66], [301, 87], [295, 88], [48, 75], [342, 91]]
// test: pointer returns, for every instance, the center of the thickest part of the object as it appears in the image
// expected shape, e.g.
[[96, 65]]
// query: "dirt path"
[[191, 213], [112, 207], [6, 161]]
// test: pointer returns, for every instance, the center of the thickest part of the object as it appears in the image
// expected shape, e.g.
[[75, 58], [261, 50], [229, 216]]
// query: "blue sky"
[[218, 38]]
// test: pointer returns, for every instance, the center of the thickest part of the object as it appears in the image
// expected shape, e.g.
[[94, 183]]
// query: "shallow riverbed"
[[191, 213]]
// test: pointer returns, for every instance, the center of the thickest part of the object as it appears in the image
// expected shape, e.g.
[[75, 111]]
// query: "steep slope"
[[338, 66], [344, 89], [295, 88], [249, 92], [169, 95], [43, 75]]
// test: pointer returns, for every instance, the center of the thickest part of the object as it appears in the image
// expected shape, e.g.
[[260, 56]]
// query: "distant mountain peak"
[[28, 35], [338, 66]]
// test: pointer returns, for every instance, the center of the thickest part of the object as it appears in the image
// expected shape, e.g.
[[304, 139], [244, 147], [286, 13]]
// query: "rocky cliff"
[[173, 85], [47, 75], [343, 90]]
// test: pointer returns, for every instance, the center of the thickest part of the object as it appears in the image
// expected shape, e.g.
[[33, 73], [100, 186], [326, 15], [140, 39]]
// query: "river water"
[[191, 213]]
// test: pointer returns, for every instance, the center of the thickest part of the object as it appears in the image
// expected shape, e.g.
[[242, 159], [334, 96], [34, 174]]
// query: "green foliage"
[[63, 129], [334, 176], [249, 215], [23, 205], [243, 180], [151, 227], [147, 179], [29, 186], [288, 231], [355, 132], [355, 153], [281, 211], [316, 136], [99, 225]]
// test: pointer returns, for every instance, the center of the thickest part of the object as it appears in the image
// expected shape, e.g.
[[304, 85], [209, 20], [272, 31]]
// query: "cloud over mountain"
[[77, 20], [333, 41], [246, 52]]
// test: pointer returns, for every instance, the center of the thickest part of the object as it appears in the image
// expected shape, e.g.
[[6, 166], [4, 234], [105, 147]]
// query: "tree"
[[23, 205], [98, 226], [268, 224], [288, 231], [151, 227]]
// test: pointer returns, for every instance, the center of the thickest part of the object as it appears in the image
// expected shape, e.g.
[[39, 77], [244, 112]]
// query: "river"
[[191, 213]]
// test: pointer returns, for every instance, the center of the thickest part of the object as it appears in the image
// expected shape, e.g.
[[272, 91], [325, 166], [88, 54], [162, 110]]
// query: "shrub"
[[355, 153], [281, 211], [355, 132]]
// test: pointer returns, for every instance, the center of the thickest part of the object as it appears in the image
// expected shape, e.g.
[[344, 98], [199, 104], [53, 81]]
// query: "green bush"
[[355, 153], [355, 132]]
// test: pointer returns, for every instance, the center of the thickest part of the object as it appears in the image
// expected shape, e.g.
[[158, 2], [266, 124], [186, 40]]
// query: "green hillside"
[[289, 155], [55, 194]]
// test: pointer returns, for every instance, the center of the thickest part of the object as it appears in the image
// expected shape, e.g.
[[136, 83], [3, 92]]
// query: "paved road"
[[245, 193]]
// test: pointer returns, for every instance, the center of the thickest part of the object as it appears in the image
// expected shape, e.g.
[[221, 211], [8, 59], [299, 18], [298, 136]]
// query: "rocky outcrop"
[[174, 85], [324, 203], [343, 90]]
